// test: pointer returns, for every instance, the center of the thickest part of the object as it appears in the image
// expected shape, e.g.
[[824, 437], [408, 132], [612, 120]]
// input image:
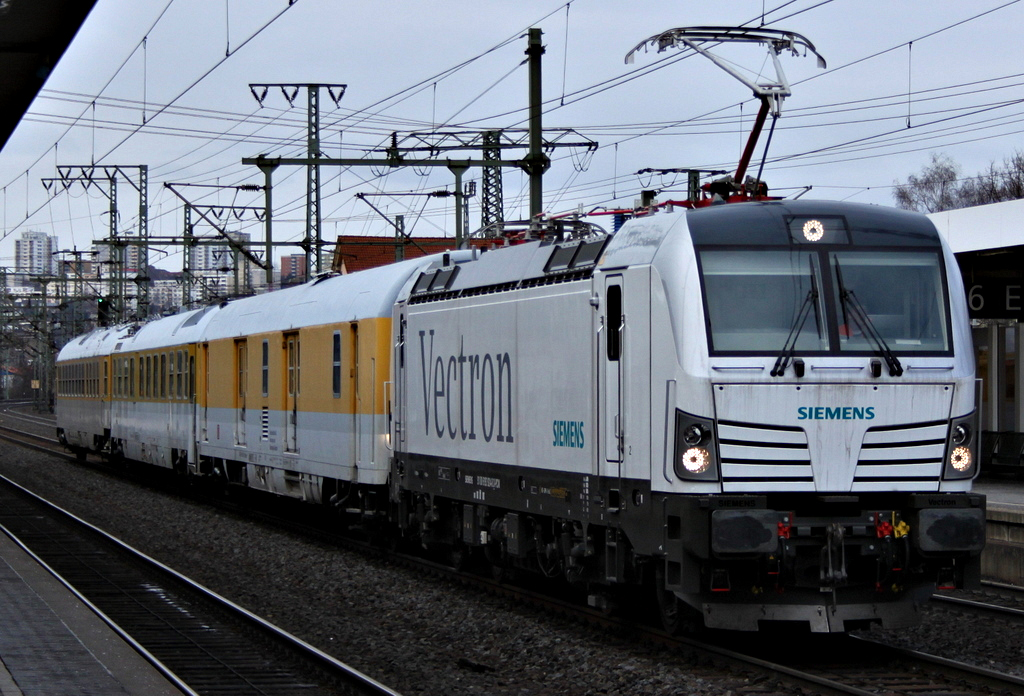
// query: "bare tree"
[[939, 186], [932, 190]]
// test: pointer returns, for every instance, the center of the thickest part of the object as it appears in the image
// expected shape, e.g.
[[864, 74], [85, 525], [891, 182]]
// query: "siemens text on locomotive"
[[764, 411]]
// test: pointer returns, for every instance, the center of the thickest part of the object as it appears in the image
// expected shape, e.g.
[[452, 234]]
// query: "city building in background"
[[34, 254]]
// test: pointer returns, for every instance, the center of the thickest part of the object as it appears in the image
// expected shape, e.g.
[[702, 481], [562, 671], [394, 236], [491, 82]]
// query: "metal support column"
[[537, 161], [1018, 392], [492, 211], [996, 368], [458, 171], [313, 238], [142, 272], [187, 263], [399, 237], [118, 301], [267, 166]]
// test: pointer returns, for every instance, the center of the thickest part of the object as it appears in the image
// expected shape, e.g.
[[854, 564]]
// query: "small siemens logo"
[[836, 413], [567, 434]]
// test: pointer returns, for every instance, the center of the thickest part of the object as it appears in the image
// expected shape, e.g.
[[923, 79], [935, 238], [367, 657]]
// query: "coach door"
[[204, 389], [613, 325], [355, 403], [241, 374], [291, 392]]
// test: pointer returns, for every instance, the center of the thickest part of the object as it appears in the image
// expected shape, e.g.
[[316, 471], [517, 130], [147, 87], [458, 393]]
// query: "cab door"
[[398, 404], [610, 348]]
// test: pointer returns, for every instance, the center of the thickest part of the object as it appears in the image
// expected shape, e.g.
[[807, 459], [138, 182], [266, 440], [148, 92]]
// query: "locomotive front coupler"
[[833, 557]]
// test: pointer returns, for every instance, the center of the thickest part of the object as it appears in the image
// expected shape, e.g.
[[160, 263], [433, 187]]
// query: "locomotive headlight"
[[696, 460], [961, 451], [693, 434], [960, 459], [961, 433], [696, 449]]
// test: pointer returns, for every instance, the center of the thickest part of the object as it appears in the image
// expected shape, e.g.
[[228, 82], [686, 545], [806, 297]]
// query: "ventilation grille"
[[903, 455], [752, 455]]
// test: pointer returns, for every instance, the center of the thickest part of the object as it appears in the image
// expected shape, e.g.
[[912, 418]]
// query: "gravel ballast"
[[422, 635]]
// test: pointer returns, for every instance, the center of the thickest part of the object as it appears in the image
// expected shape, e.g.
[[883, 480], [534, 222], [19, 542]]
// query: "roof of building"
[[360, 253], [34, 35]]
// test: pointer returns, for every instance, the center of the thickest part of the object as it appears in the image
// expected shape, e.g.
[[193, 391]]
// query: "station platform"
[[1003, 557], [53, 644], [1008, 493]]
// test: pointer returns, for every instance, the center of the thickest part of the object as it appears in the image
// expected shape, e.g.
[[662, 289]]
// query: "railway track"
[[201, 641], [1008, 604], [872, 669]]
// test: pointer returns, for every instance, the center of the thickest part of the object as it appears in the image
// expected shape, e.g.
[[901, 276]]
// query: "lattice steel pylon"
[[492, 204]]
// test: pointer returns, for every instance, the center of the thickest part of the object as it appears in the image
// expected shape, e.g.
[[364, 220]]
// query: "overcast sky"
[[165, 84]]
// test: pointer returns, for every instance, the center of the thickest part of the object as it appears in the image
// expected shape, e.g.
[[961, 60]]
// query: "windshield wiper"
[[794, 332], [864, 323]]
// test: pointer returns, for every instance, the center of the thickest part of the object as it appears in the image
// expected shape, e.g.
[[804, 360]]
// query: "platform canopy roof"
[[33, 36], [994, 226]]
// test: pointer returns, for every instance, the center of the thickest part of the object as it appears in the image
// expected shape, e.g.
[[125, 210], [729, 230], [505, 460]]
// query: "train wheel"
[[458, 556], [502, 574], [676, 616]]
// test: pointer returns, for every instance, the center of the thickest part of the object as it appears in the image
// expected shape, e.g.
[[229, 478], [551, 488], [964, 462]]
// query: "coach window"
[[336, 366], [131, 378], [265, 368], [293, 364], [181, 370], [191, 377], [163, 375]]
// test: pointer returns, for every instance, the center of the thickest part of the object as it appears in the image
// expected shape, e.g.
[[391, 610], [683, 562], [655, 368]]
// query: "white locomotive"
[[764, 411]]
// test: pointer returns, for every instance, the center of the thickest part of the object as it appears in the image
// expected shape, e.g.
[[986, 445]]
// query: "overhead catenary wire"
[[273, 139]]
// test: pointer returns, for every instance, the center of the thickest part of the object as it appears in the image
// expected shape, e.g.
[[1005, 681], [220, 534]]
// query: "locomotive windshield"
[[825, 301]]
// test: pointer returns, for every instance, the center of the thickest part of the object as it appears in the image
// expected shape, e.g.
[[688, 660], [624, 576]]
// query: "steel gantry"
[[535, 163], [106, 178], [290, 91]]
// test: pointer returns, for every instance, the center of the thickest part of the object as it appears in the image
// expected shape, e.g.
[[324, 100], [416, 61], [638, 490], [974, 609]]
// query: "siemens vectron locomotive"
[[763, 412]]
